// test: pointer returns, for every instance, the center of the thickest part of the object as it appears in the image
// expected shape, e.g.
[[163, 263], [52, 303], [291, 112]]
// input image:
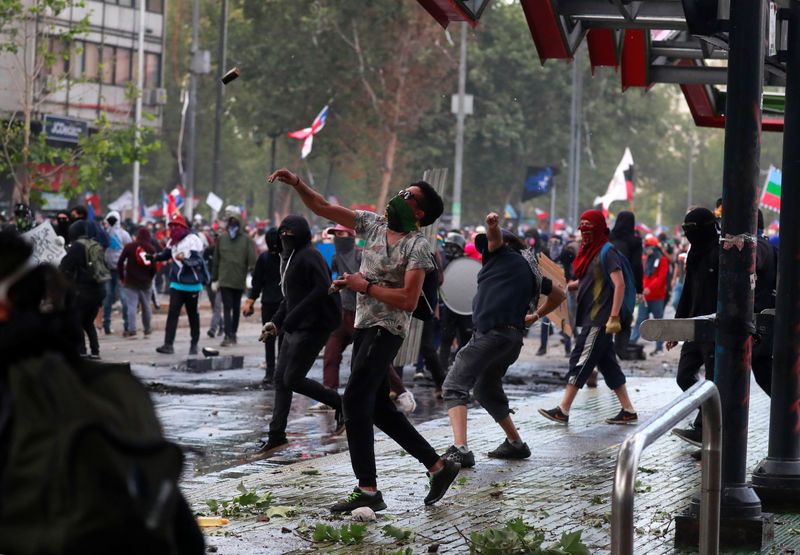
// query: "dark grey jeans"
[[481, 365]]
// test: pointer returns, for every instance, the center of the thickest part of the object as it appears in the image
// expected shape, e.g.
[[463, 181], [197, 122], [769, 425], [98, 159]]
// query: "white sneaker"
[[419, 376], [406, 403], [317, 407]]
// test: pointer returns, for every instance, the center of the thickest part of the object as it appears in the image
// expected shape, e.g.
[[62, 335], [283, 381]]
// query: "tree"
[[35, 48]]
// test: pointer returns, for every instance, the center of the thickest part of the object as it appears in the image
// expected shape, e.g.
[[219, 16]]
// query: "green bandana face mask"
[[400, 216]]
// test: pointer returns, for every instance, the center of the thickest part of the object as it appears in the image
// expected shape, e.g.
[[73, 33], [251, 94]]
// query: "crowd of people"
[[365, 296]]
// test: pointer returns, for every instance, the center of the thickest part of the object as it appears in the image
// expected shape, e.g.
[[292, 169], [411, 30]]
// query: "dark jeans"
[[480, 366], [268, 310], [594, 347], [695, 354], [298, 351], [112, 292], [177, 299], [231, 304], [87, 304], [428, 351], [454, 326], [337, 343], [366, 403]]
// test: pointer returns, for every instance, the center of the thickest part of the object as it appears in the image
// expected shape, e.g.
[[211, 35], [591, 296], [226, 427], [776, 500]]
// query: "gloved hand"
[[613, 325], [269, 330], [215, 286], [248, 307]]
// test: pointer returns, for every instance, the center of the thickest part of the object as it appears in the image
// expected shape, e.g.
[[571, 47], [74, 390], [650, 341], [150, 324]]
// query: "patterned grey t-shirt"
[[386, 266]]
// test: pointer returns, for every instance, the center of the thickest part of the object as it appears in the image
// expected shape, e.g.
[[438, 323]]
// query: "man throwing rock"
[[395, 258]]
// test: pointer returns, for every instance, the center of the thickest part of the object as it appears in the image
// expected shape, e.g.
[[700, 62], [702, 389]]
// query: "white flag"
[[621, 185]]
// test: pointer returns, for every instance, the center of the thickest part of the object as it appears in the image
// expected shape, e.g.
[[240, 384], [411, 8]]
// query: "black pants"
[[454, 326], [231, 303], [177, 299], [87, 304], [761, 363], [268, 310], [429, 354], [366, 403], [695, 354], [298, 351]]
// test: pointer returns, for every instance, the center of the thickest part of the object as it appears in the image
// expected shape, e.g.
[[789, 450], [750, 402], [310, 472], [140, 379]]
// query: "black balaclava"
[[343, 245], [302, 233], [273, 241], [703, 234], [624, 224]]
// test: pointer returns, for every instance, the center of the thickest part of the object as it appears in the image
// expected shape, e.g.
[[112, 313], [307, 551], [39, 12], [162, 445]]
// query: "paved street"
[[565, 486]]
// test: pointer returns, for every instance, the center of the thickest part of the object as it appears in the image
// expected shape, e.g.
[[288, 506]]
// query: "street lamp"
[[273, 135]]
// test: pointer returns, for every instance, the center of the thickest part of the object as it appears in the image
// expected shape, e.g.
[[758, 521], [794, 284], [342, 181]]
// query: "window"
[[122, 66], [60, 66], [152, 70], [108, 65], [76, 53], [155, 6], [91, 61], [124, 3]]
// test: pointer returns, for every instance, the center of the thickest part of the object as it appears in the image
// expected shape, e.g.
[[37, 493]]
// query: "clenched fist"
[[613, 325]]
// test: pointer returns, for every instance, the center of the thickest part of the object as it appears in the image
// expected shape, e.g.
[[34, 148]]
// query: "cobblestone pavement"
[[564, 486]]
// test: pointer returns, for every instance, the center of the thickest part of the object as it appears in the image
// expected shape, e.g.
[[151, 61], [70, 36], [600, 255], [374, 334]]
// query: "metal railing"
[[702, 394]]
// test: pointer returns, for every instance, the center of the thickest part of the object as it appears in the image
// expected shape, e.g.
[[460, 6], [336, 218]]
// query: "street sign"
[[63, 129]]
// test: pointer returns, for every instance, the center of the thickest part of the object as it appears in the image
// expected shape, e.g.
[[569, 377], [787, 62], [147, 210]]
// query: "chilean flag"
[[177, 195], [621, 185], [308, 133]]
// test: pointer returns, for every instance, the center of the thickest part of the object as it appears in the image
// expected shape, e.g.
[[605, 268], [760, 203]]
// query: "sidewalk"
[[565, 486]]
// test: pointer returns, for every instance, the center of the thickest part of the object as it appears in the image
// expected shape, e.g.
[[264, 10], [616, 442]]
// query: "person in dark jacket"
[[699, 297], [764, 298], [629, 244], [89, 293], [307, 315], [267, 284], [136, 271]]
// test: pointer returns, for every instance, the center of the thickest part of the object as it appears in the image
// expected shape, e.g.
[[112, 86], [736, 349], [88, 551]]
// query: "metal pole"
[[777, 478], [457, 171], [192, 114], [137, 118], [736, 265], [223, 47], [274, 135], [692, 138], [575, 140], [552, 214]]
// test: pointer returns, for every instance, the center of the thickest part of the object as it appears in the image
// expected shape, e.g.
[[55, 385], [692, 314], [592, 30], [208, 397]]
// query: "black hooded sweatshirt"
[[267, 273], [699, 294], [627, 242], [305, 281]]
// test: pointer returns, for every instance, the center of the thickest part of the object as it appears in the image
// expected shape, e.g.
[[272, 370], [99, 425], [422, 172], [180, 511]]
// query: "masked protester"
[[395, 259], [119, 239], [307, 315], [699, 297], [234, 257], [185, 283], [599, 304], [266, 283], [136, 270]]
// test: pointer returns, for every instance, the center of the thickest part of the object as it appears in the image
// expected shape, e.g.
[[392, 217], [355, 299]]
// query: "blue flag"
[[538, 181]]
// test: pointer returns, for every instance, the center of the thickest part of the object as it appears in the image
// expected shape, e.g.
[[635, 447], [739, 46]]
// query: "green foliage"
[[399, 534], [348, 534], [518, 537], [247, 502]]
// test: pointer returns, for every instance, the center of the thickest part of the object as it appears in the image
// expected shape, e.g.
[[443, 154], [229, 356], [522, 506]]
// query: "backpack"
[[629, 300], [96, 260], [429, 296], [194, 270], [88, 469]]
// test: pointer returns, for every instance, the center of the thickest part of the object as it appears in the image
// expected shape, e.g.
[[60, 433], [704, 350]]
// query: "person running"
[[395, 258], [601, 288], [508, 284], [307, 315]]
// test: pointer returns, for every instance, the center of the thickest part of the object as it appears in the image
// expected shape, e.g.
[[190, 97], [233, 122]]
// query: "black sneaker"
[[272, 446], [466, 460], [165, 349], [541, 351], [268, 381], [508, 451], [441, 480], [340, 426], [690, 435], [624, 417], [193, 349], [359, 498], [555, 415], [211, 334]]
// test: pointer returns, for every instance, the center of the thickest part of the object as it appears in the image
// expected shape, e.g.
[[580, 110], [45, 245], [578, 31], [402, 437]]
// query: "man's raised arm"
[[314, 201]]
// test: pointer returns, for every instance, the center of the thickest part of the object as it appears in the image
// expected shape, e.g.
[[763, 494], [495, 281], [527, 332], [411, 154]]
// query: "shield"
[[460, 284]]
